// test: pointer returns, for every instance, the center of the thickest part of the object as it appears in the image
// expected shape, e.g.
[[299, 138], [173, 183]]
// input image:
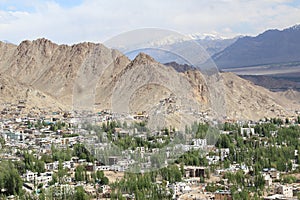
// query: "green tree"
[[10, 178], [61, 172], [79, 173], [81, 152], [226, 164], [259, 181], [104, 181], [54, 179], [101, 178], [289, 179], [80, 194], [46, 158], [2, 141], [39, 166], [99, 174]]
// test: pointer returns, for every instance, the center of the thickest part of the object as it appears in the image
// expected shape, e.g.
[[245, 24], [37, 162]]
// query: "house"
[[213, 159], [286, 191], [112, 160], [51, 166], [33, 177], [179, 188], [102, 168], [279, 197], [199, 143], [247, 132], [223, 152], [90, 167], [30, 176], [223, 195], [44, 178], [194, 171], [268, 180], [69, 165], [105, 188], [90, 190], [274, 174]]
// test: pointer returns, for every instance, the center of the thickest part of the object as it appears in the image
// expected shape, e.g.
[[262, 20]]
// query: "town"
[[52, 156]]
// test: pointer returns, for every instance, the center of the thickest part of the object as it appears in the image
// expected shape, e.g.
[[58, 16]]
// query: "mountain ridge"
[[90, 75], [269, 47]]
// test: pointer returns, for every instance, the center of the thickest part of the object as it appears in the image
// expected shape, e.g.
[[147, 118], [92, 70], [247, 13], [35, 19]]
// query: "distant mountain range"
[[273, 83], [272, 49], [269, 48], [215, 45]]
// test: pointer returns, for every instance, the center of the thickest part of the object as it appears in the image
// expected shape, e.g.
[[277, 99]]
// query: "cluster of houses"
[[19, 133]]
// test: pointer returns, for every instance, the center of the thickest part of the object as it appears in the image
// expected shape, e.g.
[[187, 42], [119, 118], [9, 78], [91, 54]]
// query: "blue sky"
[[73, 21], [29, 6]]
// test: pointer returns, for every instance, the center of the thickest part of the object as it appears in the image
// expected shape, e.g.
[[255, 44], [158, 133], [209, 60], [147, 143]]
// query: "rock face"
[[291, 95], [93, 77], [244, 100], [33, 100]]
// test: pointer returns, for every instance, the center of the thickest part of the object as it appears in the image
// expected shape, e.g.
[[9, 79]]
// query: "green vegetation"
[[80, 194], [144, 186], [81, 152], [10, 180], [272, 146], [80, 173], [289, 179], [58, 154], [195, 158], [31, 163], [101, 178]]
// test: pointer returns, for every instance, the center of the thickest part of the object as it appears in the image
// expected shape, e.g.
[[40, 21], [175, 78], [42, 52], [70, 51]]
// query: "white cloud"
[[99, 20]]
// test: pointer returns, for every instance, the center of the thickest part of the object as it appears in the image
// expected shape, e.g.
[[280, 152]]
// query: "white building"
[[285, 191], [51, 166], [44, 178], [247, 131], [224, 153], [30, 176], [199, 142], [268, 180]]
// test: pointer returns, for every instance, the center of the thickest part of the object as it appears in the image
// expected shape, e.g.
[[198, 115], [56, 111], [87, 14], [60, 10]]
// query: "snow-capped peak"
[[296, 27], [168, 40], [207, 36]]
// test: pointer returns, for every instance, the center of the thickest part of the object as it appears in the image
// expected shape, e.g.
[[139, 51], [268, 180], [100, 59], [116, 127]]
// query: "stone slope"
[[30, 99], [93, 77], [54, 69], [244, 100]]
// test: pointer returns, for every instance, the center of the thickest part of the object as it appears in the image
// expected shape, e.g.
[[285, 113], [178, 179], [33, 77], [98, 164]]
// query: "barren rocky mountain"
[[291, 95], [92, 76], [244, 100], [53, 68], [146, 85], [29, 98]]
